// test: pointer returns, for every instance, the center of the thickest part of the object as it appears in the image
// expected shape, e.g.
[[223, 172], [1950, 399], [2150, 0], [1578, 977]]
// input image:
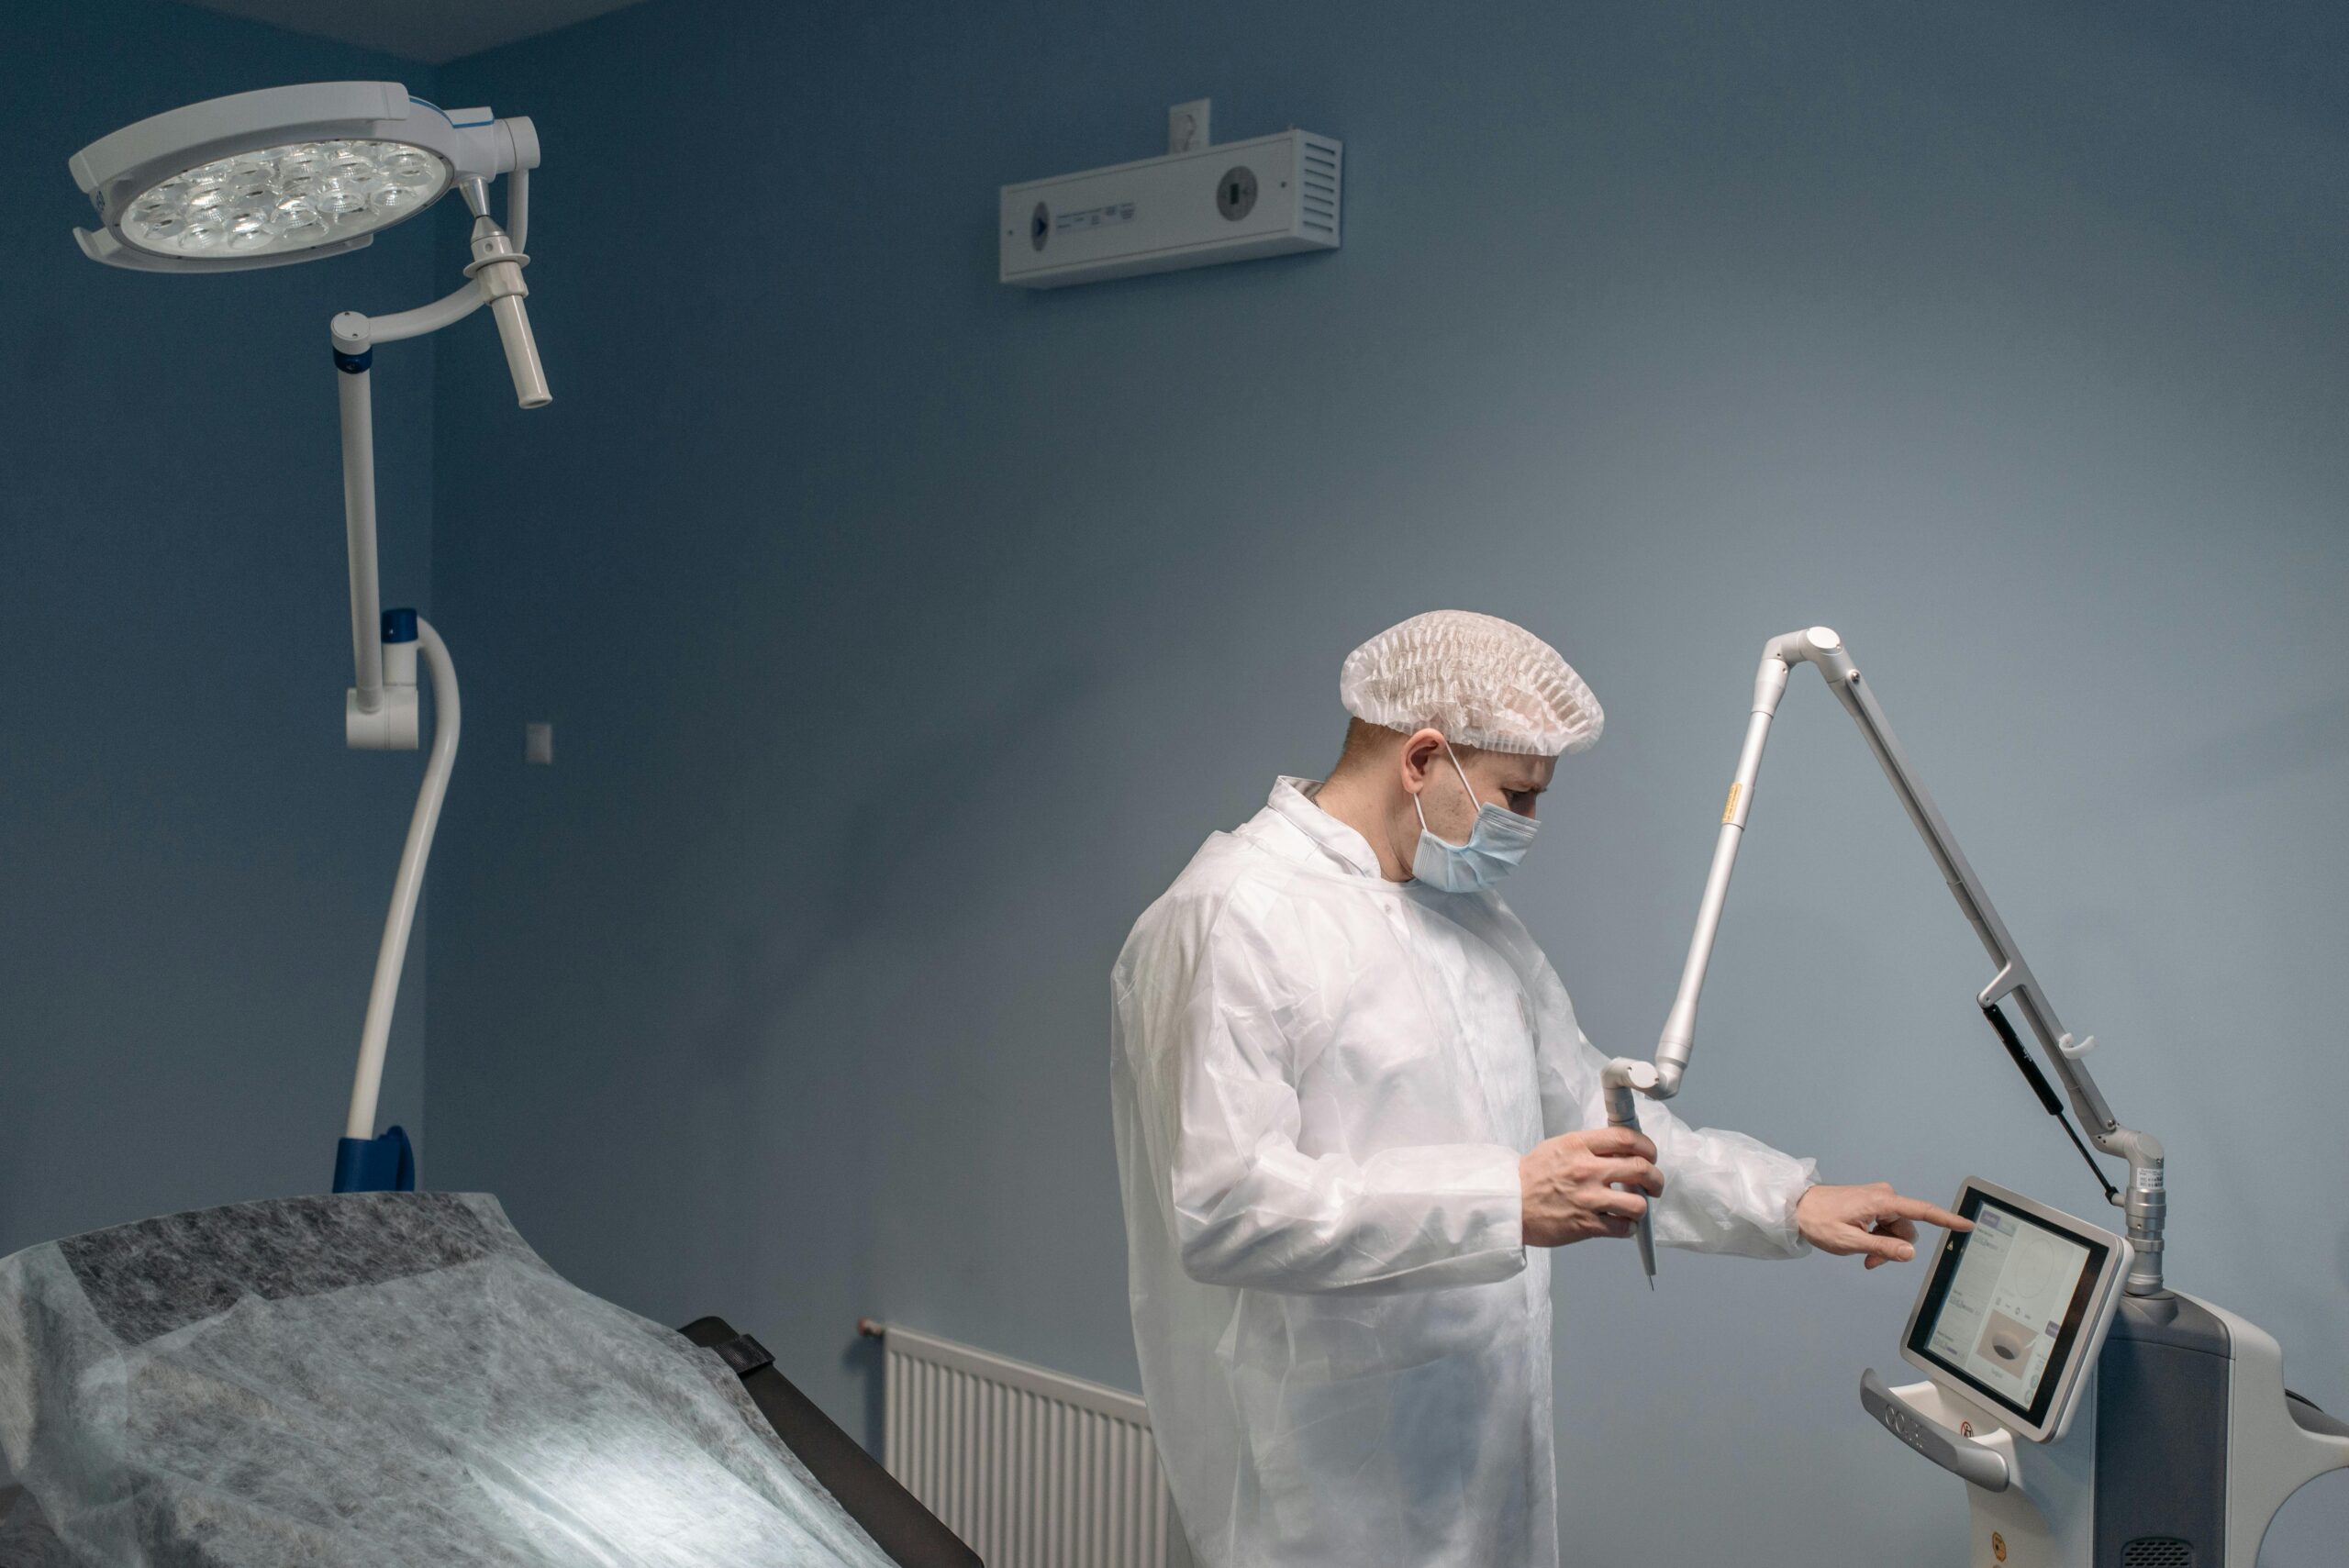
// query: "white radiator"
[[1033, 1468]]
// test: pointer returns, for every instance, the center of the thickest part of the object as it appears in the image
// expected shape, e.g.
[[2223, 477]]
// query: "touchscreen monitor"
[[2011, 1301]]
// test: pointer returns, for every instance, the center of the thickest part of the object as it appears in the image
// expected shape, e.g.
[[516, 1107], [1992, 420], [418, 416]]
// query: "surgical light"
[[285, 198], [283, 175], [291, 175]]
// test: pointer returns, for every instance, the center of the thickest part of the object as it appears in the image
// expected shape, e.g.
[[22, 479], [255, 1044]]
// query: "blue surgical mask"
[[1495, 845]]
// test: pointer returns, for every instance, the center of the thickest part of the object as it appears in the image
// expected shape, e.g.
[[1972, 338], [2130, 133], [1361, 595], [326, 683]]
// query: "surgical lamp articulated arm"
[[2014, 984], [381, 709], [407, 887], [494, 278]]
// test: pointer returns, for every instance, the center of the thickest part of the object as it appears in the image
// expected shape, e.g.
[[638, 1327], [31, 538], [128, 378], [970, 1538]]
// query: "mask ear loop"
[[1473, 802], [1464, 776]]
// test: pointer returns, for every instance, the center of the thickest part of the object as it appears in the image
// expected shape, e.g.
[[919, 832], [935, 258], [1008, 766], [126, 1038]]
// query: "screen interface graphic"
[[2004, 1314]]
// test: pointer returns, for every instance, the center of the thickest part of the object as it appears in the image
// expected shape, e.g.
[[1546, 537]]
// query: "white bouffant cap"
[[1481, 680]]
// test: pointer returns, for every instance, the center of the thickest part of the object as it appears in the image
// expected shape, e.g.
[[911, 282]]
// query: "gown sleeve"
[[1211, 1028], [1724, 1191]]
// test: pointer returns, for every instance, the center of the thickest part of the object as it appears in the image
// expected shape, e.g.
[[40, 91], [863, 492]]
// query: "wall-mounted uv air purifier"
[[1227, 203]]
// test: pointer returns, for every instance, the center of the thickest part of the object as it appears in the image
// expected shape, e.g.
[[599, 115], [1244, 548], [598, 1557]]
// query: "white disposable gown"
[[1322, 1082]]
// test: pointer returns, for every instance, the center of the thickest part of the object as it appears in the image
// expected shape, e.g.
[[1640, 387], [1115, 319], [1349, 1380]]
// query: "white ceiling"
[[432, 31]]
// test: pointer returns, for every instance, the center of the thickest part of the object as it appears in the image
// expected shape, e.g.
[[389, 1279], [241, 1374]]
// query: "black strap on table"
[[893, 1517]]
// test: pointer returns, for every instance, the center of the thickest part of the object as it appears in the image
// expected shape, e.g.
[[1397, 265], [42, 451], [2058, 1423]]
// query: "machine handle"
[[1970, 1462]]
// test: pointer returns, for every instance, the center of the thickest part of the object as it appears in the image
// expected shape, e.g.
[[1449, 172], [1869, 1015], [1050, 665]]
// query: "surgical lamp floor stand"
[[381, 710], [2144, 1200]]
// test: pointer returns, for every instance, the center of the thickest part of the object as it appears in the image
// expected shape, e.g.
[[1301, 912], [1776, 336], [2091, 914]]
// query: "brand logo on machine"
[[1908, 1431]]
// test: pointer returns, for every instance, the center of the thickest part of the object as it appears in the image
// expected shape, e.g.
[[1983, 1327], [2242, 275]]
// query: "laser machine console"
[[2097, 1418]]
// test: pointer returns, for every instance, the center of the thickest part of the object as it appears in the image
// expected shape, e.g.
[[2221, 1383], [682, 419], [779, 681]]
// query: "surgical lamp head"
[[283, 175]]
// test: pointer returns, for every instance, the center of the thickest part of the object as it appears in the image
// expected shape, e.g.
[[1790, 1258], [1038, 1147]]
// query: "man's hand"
[[1568, 1185], [1873, 1221]]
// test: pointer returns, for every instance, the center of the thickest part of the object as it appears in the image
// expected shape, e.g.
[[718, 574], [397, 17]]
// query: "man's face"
[[1504, 779]]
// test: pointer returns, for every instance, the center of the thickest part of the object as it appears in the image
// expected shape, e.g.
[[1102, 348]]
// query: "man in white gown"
[[1350, 1093]]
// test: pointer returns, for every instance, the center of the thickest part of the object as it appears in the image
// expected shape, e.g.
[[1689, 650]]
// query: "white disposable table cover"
[[384, 1378]]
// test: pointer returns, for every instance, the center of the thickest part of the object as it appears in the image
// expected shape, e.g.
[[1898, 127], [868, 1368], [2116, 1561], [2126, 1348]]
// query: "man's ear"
[[1419, 752]]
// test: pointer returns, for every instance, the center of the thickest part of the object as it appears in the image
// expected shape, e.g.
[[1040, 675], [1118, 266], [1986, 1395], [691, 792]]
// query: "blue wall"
[[904, 633], [193, 870]]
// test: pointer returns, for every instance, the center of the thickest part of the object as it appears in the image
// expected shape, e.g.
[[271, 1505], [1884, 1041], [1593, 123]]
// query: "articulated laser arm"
[[2144, 1200]]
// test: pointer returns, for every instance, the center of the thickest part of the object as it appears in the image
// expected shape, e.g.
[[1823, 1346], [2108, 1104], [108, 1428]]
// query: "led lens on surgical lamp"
[[283, 174], [285, 198]]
